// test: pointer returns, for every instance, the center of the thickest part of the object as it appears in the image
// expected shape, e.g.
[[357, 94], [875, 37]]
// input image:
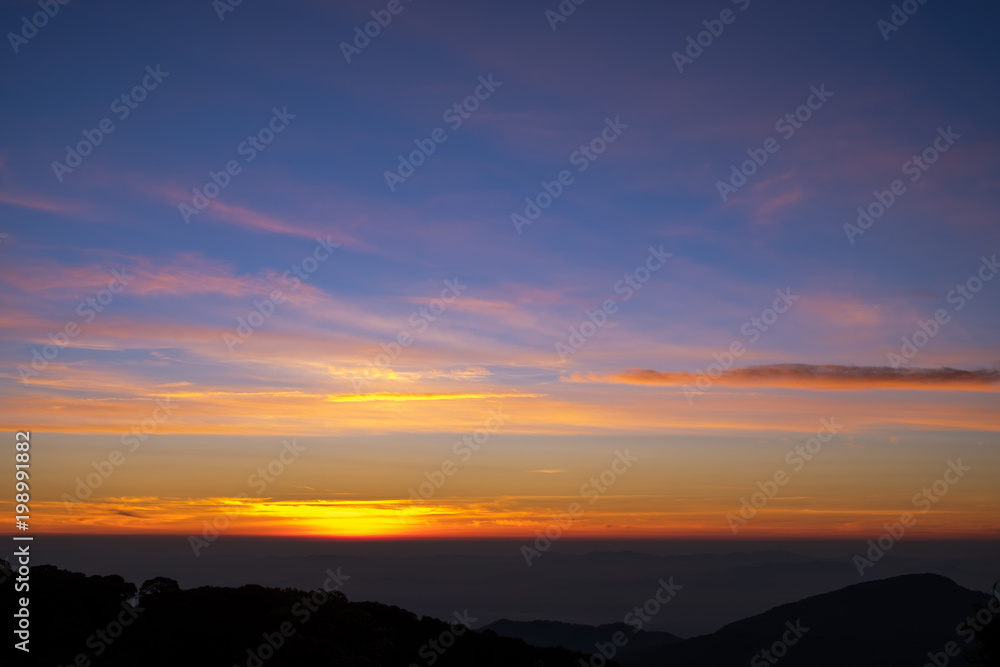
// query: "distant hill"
[[581, 638], [881, 623]]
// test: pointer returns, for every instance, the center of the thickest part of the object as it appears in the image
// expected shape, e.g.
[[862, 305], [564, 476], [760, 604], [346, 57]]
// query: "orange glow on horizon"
[[512, 518]]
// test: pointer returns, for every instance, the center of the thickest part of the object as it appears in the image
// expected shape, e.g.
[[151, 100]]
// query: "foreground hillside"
[[593, 639], [99, 621]]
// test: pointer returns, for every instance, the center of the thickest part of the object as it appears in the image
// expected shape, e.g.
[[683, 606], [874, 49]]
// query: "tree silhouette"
[[155, 587], [79, 619]]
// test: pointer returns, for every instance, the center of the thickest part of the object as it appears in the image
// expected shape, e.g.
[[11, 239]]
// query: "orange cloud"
[[389, 396], [827, 377], [508, 516]]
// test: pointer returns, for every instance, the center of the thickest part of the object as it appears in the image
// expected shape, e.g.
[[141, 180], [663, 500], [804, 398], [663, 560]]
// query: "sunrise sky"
[[414, 310]]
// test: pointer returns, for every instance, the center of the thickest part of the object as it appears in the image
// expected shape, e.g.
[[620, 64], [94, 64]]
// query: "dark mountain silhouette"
[[105, 621], [95, 617], [434, 578], [583, 638], [882, 623]]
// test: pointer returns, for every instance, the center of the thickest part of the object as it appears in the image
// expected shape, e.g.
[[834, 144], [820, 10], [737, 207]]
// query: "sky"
[[499, 269]]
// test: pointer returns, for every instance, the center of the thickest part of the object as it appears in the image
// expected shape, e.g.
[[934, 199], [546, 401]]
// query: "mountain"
[[491, 577], [907, 621], [884, 623], [582, 638], [104, 621]]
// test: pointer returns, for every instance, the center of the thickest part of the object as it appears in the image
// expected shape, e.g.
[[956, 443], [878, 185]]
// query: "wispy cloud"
[[827, 377], [388, 396]]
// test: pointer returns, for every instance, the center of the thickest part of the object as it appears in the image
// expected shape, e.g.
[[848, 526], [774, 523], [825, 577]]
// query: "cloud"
[[181, 275], [390, 396], [826, 377]]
